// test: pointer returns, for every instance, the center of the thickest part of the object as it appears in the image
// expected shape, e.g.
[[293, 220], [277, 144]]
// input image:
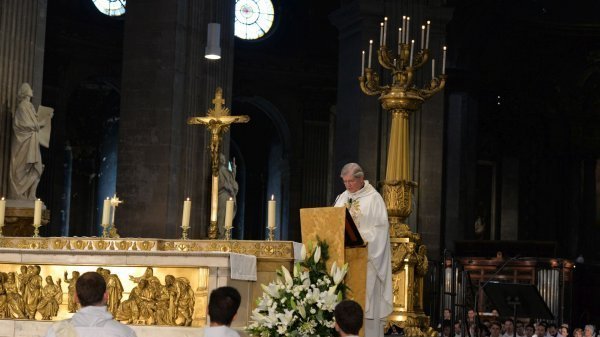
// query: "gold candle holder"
[[1, 225], [36, 230], [228, 233], [213, 230], [184, 233], [271, 233], [105, 230]]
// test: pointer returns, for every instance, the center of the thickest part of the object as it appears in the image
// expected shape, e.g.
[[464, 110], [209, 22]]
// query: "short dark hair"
[[349, 316], [223, 305], [90, 288]]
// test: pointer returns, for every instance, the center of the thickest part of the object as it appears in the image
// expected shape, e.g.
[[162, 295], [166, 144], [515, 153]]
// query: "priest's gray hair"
[[354, 169]]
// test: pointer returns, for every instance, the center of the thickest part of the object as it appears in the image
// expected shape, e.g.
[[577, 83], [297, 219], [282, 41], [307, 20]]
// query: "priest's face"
[[352, 183]]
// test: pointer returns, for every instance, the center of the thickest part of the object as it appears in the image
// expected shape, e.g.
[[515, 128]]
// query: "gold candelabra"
[[402, 98]]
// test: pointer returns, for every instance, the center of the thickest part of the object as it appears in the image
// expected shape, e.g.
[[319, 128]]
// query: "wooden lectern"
[[334, 225]]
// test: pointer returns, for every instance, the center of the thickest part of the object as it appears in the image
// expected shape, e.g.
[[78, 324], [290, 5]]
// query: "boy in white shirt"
[[223, 305]]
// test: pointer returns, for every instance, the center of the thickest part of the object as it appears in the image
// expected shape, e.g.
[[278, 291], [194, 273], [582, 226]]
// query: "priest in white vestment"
[[369, 213]]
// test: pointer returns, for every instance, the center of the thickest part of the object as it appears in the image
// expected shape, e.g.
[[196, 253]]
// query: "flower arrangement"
[[301, 303]]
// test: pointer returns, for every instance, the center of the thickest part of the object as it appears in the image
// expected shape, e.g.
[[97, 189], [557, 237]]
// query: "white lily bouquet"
[[302, 304]]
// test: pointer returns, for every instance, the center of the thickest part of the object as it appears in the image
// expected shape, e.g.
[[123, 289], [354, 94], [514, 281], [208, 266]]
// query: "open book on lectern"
[[352, 236]]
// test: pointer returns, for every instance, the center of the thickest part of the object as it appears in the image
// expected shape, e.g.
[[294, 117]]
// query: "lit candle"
[[407, 29], [403, 28], [384, 30], [2, 210], [444, 61], [37, 212], [427, 35], [106, 211], [229, 214], [370, 52], [187, 210], [422, 36], [362, 64], [381, 34], [432, 68], [399, 39], [412, 49], [271, 212]]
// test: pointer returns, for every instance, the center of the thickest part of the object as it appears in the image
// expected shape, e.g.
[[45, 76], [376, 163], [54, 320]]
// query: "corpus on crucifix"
[[217, 122]]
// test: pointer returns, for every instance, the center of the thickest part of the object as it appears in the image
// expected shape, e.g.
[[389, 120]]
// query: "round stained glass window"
[[110, 7], [253, 18]]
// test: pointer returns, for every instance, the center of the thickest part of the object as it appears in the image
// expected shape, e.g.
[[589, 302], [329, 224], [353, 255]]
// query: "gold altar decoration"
[[166, 296], [401, 99], [217, 122]]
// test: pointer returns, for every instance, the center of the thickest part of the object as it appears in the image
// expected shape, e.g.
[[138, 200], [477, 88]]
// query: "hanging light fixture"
[[213, 46]]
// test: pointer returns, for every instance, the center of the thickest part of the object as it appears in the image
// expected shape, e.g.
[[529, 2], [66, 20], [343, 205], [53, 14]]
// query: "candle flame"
[[230, 198], [187, 199], [428, 22], [370, 41], [423, 27], [381, 23], [385, 18], [3, 198], [272, 196], [444, 47]]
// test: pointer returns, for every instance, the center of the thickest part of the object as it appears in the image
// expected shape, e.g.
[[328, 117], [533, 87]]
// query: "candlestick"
[[106, 211], [399, 39], [432, 68], [2, 210], [362, 64], [370, 52], [407, 29], [403, 28], [229, 214], [422, 36], [412, 49], [444, 61], [385, 20], [187, 209], [381, 34], [427, 35], [37, 217], [37, 212], [271, 212]]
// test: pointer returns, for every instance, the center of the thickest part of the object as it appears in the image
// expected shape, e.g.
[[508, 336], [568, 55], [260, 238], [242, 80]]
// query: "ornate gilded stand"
[[409, 256]]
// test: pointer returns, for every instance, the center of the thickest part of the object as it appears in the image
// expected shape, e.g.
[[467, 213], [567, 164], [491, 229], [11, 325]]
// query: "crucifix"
[[217, 122]]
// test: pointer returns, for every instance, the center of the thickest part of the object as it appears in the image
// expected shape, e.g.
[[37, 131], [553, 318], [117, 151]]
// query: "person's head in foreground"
[[223, 304], [91, 289], [348, 318]]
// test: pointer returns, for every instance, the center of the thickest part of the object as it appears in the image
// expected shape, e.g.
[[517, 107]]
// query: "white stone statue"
[[30, 130], [228, 188]]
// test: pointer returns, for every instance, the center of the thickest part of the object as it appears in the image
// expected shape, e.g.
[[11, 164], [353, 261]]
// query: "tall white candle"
[[432, 68], [106, 211], [422, 36], [229, 214], [427, 35], [381, 34], [403, 28], [370, 52], [2, 210], [444, 61], [271, 212], [187, 210], [385, 30], [407, 29], [362, 64], [412, 50], [214, 199], [37, 212], [399, 40]]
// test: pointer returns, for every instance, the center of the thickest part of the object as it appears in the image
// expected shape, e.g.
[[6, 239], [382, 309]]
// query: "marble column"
[[166, 79], [22, 37]]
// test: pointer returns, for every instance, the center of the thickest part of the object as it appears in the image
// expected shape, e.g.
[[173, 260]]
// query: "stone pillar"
[[166, 79], [22, 37]]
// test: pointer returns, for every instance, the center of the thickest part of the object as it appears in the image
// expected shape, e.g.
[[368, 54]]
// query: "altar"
[[197, 265]]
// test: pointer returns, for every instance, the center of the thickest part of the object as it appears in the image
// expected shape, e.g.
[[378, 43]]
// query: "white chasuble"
[[369, 213]]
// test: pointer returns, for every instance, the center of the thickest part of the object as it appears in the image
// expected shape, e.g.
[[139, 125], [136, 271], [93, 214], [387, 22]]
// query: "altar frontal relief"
[[175, 296]]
